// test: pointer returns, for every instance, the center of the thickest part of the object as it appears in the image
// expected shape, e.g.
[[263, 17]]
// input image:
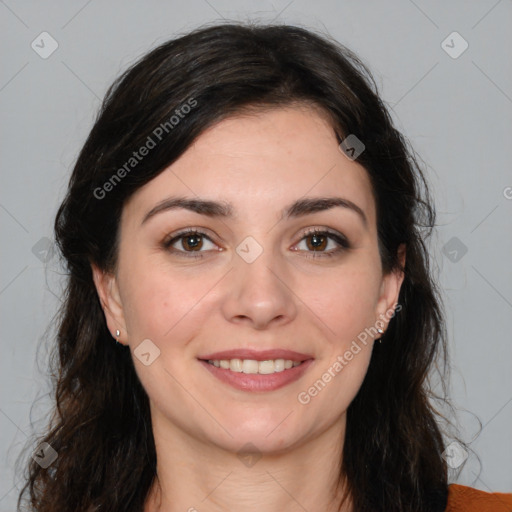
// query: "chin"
[[267, 433]]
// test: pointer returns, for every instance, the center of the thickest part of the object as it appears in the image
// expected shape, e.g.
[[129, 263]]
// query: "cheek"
[[160, 303], [329, 391], [344, 301], [347, 307]]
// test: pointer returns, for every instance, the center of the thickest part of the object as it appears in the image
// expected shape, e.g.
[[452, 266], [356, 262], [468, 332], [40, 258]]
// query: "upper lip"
[[257, 355]]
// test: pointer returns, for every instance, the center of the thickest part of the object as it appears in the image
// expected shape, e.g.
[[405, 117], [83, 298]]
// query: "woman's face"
[[254, 280]]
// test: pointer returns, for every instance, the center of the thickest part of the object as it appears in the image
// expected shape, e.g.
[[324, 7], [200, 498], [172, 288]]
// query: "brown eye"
[[318, 241], [188, 242], [192, 242]]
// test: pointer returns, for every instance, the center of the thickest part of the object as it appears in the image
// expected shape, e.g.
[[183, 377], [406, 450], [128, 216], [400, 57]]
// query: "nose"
[[259, 294]]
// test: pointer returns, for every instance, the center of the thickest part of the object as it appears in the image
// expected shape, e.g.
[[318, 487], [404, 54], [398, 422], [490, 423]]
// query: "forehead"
[[260, 162]]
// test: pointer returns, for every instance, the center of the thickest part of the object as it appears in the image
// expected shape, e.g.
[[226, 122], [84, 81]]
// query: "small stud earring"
[[118, 333], [380, 331]]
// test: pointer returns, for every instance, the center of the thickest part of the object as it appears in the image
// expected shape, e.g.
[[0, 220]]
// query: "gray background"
[[455, 111]]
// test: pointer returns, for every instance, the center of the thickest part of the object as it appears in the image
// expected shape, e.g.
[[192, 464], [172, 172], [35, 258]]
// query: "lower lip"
[[256, 381]]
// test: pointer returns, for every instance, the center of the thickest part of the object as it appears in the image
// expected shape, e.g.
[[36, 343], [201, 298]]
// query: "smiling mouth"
[[257, 375], [251, 366]]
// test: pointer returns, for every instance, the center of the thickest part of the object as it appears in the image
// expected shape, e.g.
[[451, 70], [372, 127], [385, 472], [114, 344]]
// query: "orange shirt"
[[467, 499]]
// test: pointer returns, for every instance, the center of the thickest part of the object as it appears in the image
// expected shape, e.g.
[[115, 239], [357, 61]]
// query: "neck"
[[194, 476]]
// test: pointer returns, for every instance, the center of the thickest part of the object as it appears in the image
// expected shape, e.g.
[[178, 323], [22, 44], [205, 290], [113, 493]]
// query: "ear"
[[108, 293], [390, 290]]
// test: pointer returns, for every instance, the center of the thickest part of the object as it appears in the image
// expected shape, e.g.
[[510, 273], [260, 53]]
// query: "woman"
[[244, 220]]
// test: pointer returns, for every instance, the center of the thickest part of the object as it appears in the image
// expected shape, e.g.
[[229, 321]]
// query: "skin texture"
[[287, 299]]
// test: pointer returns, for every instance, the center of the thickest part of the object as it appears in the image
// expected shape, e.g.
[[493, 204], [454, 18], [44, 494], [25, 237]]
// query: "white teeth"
[[253, 366], [266, 367], [235, 365], [279, 365], [249, 366]]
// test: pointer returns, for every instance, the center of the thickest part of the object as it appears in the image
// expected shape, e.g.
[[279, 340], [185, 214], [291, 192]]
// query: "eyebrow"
[[299, 208]]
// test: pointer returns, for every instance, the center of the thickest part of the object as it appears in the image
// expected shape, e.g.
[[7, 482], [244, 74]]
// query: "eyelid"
[[174, 237], [324, 230], [340, 239]]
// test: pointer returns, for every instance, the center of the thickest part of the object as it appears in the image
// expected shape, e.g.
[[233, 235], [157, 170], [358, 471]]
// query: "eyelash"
[[338, 238]]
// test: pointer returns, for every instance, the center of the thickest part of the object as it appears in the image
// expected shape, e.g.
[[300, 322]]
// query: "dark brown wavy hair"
[[101, 424]]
